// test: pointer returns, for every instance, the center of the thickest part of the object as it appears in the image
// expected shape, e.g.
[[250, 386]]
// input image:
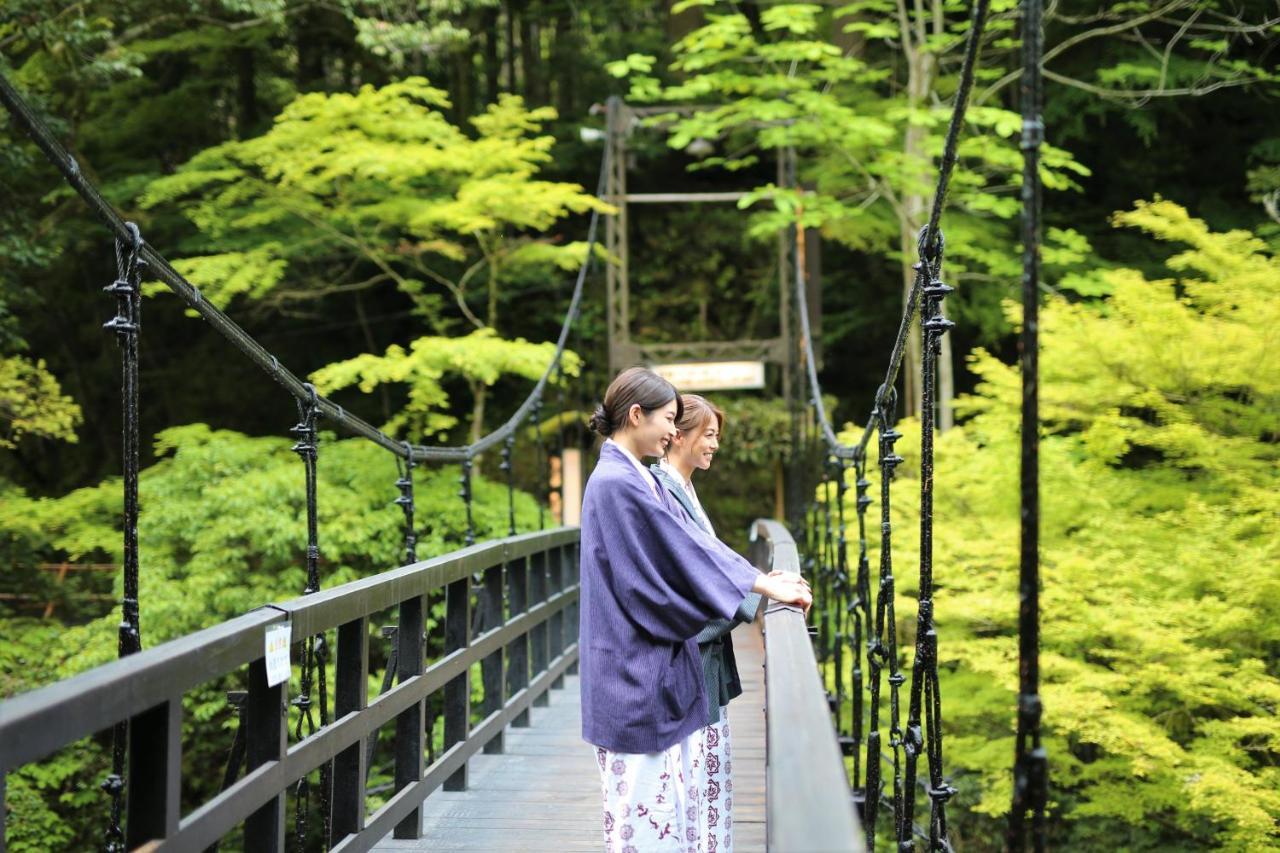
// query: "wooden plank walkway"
[[543, 794]]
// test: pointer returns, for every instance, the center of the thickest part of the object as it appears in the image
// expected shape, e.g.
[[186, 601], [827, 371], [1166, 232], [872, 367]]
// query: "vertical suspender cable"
[[1030, 762]]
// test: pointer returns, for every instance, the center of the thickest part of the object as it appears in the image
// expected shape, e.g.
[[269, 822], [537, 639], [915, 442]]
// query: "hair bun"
[[601, 422]]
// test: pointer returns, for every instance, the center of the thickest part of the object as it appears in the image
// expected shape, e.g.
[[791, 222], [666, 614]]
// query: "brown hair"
[[698, 411], [633, 386]]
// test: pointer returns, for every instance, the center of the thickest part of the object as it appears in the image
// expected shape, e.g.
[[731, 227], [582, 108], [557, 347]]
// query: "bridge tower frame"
[[782, 350]]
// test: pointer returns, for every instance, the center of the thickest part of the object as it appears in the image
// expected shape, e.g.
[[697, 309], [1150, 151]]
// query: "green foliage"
[[867, 146], [1160, 411], [223, 531], [32, 402], [481, 358], [349, 191]]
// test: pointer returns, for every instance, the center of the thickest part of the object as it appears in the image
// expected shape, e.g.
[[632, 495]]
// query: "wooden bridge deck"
[[543, 794]]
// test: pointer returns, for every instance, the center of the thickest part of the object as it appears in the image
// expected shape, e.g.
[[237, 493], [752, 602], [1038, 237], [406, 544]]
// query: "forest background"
[[392, 197]]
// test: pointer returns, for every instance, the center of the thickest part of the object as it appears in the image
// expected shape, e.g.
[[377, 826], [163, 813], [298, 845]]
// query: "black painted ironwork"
[[540, 489], [127, 326], [149, 686], [404, 483], [1030, 769], [315, 650], [924, 718], [922, 734], [263, 733], [465, 492], [27, 119], [508, 471]]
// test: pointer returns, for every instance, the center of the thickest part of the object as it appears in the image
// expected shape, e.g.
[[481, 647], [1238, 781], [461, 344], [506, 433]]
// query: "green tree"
[[351, 192], [222, 531], [863, 93], [1160, 407]]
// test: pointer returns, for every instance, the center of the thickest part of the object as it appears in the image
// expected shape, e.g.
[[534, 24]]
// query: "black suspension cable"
[[931, 244], [57, 154], [127, 326], [1031, 765]]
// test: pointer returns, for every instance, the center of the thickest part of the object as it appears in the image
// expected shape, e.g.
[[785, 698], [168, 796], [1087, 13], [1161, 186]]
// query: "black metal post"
[[1031, 764], [127, 325], [267, 739], [882, 646], [314, 647], [508, 470], [924, 718], [405, 501], [535, 418], [538, 654], [408, 748], [457, 693], [518, 649], [464, 480], [491, 667], [155, 773], [350, 695]]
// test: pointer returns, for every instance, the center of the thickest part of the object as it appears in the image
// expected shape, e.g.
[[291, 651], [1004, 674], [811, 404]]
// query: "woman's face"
[[697, 447], [654, 430]]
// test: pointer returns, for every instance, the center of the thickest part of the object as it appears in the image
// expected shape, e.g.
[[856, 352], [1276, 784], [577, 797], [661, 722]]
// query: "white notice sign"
[[713, 375], [278, 639]]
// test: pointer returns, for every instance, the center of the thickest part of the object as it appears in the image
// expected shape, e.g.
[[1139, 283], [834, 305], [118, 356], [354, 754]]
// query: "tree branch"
[[1068, 43], [1137, 94]]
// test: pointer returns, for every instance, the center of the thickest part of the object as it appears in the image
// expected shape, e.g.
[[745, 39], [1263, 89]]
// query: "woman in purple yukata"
[[695, 445], [651, 580]]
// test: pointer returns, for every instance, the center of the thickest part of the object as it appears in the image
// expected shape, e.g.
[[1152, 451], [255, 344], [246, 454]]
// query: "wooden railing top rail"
[[35, 724], [808, 804]]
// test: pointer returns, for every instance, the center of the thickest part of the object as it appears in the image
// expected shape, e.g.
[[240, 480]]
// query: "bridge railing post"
[[409, 731], [555, 564], [155, 773], [491, 666], [457, 693], [538, 654], [518, 649], [351, 695], [572, 569], [267, 739]]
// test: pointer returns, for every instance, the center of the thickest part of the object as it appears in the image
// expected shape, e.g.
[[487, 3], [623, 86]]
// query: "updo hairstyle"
[[635, 385]]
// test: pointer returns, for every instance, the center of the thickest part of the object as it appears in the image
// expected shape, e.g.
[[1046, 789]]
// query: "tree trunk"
[[479, 393], [563, 59], [246, 93], [463, 87], [913, 213], [530, 56], [512, 85], [946, 386], [372, 346], [310, 42], [492, 67]]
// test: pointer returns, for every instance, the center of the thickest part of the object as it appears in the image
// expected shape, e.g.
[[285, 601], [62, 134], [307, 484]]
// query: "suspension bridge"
[[478, 720]]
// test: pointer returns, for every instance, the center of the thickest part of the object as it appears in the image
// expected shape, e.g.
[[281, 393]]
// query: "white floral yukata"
[[653, 801]]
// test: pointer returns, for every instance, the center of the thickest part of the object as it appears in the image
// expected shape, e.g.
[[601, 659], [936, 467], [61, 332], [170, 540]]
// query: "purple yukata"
[[651, 580]]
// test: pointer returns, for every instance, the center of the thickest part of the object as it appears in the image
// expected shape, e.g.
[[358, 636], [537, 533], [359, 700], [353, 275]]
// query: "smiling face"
[[651, 432], [696, 447]]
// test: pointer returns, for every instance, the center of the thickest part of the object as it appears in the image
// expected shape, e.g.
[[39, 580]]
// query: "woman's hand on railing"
[[785, 587]]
